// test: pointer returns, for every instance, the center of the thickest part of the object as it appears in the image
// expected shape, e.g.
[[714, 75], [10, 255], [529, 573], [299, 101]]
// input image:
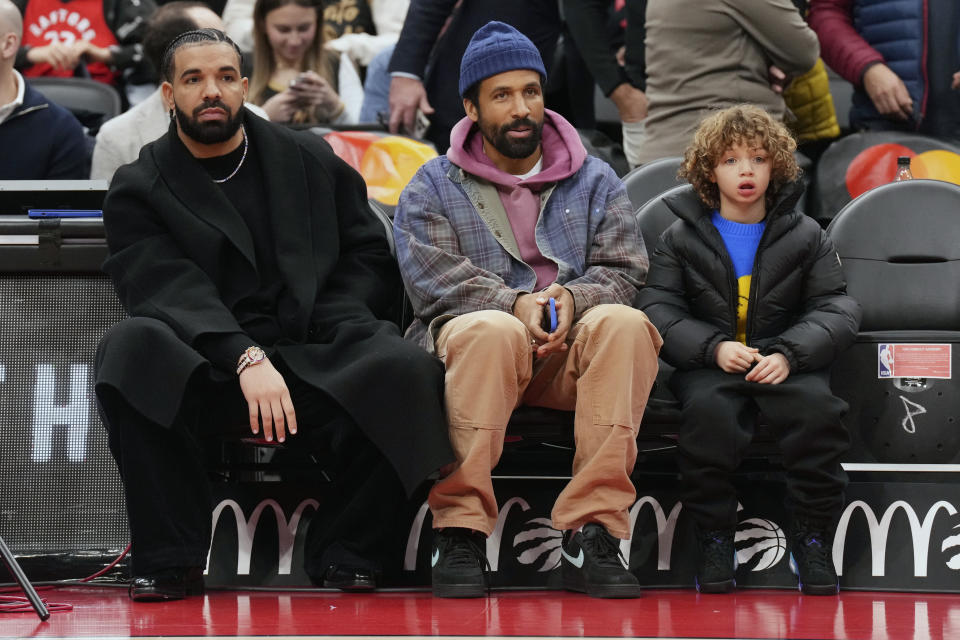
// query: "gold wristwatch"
[[253, 355]]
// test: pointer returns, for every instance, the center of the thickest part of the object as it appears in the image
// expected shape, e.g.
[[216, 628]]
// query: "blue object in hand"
[[550, 313]]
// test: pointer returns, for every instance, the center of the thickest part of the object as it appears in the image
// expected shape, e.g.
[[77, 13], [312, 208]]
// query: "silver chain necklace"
[[242, 158]]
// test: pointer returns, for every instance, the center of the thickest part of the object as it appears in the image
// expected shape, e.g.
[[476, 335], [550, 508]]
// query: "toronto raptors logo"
[[951, 545], [760, 544], [538, 544], [62, 26]]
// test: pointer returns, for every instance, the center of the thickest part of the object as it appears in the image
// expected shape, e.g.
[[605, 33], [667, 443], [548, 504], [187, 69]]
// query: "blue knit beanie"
[[495, 48]]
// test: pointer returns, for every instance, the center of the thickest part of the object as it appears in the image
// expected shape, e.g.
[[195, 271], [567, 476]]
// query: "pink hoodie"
[[563, 155]]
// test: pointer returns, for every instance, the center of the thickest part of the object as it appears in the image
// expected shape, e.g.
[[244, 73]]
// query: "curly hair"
[[745, 123]]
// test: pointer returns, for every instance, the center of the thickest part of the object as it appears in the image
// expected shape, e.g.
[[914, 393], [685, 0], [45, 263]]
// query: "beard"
[[515, 149], [209, 131]]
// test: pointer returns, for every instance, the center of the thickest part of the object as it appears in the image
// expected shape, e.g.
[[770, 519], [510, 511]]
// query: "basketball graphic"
[[538, 544], [951, 545], [760, 544]]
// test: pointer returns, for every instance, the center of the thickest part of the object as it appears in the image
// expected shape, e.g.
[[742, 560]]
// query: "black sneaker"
[[591, 563], [717, 564], [459, 563], [811, 558]]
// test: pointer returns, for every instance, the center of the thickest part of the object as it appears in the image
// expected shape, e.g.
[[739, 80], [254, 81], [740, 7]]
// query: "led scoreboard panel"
[[59, 487]]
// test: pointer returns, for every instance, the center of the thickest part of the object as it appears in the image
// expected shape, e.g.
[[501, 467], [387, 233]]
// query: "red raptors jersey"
[[49, 21]]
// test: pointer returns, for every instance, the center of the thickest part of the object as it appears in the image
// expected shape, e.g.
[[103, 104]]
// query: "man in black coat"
[[256, 277]]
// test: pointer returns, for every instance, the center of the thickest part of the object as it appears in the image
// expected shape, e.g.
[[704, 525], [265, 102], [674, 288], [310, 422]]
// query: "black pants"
[[719, 413], [168, 497]]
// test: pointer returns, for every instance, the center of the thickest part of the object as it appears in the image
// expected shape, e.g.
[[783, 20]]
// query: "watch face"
[[255, 354]]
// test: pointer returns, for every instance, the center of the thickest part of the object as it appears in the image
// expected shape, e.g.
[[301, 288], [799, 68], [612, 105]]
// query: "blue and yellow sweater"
[[741, 241]]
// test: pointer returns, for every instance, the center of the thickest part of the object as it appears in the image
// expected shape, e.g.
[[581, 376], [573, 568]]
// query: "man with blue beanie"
[[514, 220]]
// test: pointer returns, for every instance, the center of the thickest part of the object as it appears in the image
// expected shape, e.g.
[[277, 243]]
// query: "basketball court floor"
[[106, 612]]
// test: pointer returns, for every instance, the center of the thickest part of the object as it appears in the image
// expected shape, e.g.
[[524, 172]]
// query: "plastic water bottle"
[[903, 169]]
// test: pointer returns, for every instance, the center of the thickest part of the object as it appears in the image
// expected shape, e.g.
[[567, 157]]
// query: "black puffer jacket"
[[798, 302]]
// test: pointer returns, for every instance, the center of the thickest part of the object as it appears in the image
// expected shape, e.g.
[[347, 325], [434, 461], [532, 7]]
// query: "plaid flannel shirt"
[[452, 262]]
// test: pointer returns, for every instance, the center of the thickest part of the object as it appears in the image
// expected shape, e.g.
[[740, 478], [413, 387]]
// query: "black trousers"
[[719, 412], [168, 495]]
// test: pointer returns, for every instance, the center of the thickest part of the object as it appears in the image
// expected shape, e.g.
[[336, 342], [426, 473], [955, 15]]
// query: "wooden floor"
[[100, 612]]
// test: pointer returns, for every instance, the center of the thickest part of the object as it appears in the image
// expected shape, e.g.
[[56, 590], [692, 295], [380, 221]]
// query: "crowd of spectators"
[[393, 64]]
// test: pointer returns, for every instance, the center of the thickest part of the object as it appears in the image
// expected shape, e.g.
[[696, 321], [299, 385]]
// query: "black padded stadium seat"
[[82, 96], [651, 179], [653, 217], [403, 312], [380, 210], [899, 245]]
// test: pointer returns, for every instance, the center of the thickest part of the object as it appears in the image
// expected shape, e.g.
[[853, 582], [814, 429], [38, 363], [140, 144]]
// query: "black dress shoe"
[[168, 584], [349, 578]]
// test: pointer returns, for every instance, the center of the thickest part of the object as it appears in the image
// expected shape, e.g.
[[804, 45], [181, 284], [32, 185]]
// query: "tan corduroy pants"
[[605, 376]]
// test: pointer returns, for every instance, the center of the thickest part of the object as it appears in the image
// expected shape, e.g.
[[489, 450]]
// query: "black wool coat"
[[181, 254], [798, 304]]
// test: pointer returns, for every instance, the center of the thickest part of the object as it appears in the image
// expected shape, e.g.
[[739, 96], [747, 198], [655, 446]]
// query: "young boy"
[[748, 295]]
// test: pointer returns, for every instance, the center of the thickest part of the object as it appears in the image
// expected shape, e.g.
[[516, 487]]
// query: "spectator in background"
[[359, 28], [517, 213], [38, 139], [120, 139], [376, 89], [294, 78], [238, 23], [905, 76], [808, 98], [373, 53], [425, 66], [704, 54], [345, 17], [62, 35], [622, 83], [387, 18]]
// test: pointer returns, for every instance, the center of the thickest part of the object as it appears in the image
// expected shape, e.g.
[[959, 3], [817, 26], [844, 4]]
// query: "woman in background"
[[294, 79]]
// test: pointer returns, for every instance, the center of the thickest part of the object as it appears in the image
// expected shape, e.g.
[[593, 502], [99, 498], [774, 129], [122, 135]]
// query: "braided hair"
[[196, 36]]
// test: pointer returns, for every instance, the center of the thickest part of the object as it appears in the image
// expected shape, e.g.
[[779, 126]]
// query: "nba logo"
[[885, 361]]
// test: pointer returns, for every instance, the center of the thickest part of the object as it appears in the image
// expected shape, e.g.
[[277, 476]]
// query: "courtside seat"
[[651, 179], [899, 245], [83, 97], [654, 216], [662, 418]]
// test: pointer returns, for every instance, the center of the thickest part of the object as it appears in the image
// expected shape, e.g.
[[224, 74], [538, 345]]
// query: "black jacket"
[[181, 254], [798, 303], [42, 140]]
